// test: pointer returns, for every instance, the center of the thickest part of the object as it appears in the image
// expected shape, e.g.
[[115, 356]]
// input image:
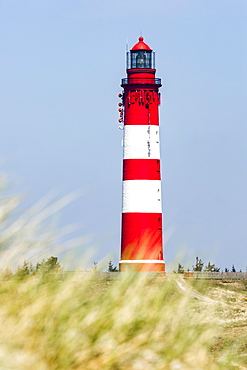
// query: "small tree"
[[210, 267], [233, 268], [95, 266], [199, 265], [180, 268], [24, 271], [51, 265], [111, 267]]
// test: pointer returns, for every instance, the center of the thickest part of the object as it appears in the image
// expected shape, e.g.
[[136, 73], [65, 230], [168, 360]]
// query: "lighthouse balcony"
[[141, 81]]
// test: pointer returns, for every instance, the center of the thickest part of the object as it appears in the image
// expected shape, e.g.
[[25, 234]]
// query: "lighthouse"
[[141, 236]]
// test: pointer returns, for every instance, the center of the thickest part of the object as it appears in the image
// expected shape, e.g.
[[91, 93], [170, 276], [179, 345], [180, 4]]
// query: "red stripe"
[[138, 110], [141, 236], [141, 169]]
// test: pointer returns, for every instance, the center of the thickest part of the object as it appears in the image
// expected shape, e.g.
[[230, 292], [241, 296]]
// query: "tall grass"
[[133, 322], [33, 234]]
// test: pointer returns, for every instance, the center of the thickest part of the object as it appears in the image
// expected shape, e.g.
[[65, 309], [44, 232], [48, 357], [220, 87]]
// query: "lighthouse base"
[[142, 265]]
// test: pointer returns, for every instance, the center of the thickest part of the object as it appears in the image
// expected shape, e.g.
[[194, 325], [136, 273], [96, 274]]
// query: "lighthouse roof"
[[141, 45]]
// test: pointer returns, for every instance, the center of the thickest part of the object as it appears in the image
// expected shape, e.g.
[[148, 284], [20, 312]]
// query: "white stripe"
[[142, 196], [142, 261], [141, 142]]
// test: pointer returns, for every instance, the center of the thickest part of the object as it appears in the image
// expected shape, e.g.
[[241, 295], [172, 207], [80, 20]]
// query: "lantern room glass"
[[142, 59]]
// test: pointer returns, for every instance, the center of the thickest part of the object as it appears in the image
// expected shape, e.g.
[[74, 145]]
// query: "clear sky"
[[60, 67]]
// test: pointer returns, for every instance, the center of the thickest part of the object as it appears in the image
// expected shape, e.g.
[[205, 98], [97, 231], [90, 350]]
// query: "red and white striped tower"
[[141, 244]]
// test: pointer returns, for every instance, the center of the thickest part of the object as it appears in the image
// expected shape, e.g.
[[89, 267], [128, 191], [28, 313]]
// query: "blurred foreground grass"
[[134, 322], [129, 323]]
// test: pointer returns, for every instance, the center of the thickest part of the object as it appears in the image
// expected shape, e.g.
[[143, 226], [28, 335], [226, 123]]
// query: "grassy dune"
[[134, 322], [129, 323], [231, 312]]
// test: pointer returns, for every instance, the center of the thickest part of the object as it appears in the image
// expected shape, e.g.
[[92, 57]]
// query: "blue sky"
[[61, 65]]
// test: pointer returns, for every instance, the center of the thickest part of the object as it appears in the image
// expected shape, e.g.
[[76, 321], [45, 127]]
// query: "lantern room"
[[141, 56]]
